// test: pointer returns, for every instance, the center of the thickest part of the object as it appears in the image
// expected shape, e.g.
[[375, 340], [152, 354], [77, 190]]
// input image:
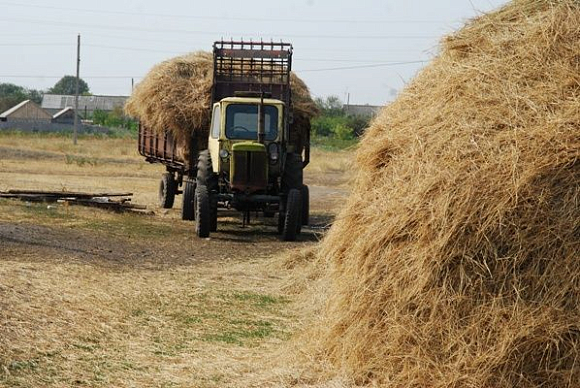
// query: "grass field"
[[98, 299]]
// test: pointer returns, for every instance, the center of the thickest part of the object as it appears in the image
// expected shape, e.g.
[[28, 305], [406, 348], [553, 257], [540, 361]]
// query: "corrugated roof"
[[62, 112], [13, 109], [92, 103]]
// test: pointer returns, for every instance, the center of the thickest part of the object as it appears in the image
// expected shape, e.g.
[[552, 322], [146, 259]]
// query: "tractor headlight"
[[273, 152], [224, 154]]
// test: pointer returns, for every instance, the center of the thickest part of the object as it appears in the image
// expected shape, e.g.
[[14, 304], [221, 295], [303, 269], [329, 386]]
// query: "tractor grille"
[[249, 171]]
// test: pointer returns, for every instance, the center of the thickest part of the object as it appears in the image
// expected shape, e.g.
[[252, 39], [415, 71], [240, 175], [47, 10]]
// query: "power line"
[[60, 76], [297, 71], [133, 49], [295, 59], [337, 60], [209, 17], [213, 33], [363, 66], [33, 44], [302, 49]]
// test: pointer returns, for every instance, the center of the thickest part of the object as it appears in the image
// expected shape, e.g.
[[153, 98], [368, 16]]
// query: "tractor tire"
[[281, 220], [202, 212], [213, 211], [305, 205], [188, 204], [292, 217], [206, 177], [292, 178], [167, 189], [205, 173]]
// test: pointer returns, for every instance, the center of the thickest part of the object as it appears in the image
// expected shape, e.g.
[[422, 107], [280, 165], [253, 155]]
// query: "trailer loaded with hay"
[[232, 130]]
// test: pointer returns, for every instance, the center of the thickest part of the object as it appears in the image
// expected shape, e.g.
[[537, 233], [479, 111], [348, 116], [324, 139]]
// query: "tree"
[[11, 95], [330, 106], [67, 85]]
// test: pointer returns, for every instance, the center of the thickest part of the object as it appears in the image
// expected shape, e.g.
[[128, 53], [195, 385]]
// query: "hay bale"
[[176, 96], [455, 262]]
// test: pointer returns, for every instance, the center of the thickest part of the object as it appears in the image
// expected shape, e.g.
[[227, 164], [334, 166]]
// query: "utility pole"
[[76, 112]]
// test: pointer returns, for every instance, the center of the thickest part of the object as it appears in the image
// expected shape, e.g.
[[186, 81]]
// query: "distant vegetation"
[[115, 119], [67, 85], [11, 95], [333, 128]]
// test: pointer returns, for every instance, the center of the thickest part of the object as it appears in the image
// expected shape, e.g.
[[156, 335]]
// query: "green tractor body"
[[249, 164]]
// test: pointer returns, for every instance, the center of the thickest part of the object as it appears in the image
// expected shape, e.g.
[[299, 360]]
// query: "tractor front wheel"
[[305, 205], [187, 206], [202, 211], [291, 221]]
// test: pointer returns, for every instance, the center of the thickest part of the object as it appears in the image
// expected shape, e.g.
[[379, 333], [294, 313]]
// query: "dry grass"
[[331, 168], [94, 147], [65, 324], [93, 298], [455, 261]]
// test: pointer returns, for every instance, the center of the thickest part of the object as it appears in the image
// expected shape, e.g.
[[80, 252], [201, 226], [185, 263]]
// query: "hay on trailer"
[[456, 260], [176, 96]]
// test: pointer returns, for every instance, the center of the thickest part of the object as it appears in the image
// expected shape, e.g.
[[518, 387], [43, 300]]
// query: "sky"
[[362, 51]]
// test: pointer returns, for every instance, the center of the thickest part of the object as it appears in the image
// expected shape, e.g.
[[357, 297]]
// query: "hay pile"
[[456, 261], [176, 96]]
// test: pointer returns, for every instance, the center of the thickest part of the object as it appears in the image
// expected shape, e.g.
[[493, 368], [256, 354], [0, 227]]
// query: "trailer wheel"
[[292, 217], [187, 207], [305, 204], [167, 189], [202, 211]]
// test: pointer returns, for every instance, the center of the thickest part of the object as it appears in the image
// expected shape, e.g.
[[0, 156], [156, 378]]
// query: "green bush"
[[115, 119], [333, 122]]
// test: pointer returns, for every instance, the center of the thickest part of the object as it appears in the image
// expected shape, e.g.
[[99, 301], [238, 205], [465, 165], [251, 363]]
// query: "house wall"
[[29, 112]]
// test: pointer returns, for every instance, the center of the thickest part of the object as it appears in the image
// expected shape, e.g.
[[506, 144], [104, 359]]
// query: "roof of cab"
[[252, 100]]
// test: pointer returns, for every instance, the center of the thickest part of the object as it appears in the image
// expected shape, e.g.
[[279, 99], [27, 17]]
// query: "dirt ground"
[[94, 298]]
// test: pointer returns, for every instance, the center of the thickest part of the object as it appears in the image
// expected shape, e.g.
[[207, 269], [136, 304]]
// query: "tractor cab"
[[245, 141]]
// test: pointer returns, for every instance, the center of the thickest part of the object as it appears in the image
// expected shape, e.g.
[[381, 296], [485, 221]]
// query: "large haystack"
[[456, 262], [176, 96]]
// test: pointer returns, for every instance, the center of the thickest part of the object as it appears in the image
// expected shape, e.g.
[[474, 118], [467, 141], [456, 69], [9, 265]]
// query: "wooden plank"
[[65, 194]]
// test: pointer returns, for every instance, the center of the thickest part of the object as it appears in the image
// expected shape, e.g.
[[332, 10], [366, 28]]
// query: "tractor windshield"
[[242, 121]]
